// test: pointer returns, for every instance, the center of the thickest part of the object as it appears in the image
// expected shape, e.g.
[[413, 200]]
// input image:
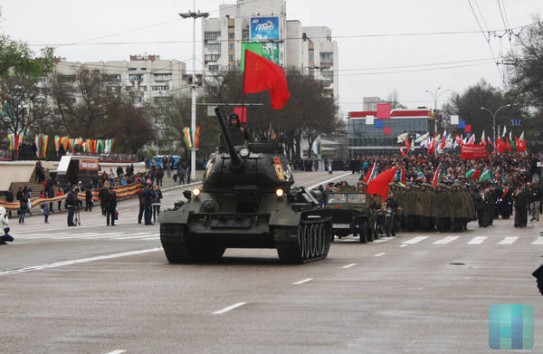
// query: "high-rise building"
[[262, 26], [147, 79]]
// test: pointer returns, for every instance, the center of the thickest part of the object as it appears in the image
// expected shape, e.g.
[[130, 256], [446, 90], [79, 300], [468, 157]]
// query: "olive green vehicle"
[[351, 215], [247, 200]]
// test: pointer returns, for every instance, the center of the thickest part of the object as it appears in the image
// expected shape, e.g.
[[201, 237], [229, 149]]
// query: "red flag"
[[508, 145], [242, 114], [403, 174], [402, 151], [379, 185], [500, 146], [521, 145], [262, 74], [407, 145]]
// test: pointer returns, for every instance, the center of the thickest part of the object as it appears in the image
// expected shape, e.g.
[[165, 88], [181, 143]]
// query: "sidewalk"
[[35, 221]]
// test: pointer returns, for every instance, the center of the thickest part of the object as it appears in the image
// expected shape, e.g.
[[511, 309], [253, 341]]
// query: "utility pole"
[[194, 15]]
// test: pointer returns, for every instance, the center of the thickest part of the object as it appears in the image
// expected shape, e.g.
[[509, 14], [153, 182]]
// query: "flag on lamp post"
[[262, 74]]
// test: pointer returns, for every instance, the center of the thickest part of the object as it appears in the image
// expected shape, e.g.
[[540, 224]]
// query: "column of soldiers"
[[427, 209]]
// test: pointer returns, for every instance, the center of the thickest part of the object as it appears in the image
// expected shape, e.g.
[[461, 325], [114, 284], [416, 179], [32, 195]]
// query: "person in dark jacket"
[[110, 206]]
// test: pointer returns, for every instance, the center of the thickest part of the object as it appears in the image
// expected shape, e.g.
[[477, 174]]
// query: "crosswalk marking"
[[415, 240], [508, 240], [477, 240], [446, 240], [539, 241]]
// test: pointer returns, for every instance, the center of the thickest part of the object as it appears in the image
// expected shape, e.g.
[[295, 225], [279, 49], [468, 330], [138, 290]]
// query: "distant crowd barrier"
[[124, 192]]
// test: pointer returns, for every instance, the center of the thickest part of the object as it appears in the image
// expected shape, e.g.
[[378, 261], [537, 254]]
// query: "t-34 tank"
[[246, 201]]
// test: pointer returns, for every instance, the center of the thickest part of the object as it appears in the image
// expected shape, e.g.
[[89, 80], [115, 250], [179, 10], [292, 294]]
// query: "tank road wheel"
[[179, 250], [308, 242], [172, 237]]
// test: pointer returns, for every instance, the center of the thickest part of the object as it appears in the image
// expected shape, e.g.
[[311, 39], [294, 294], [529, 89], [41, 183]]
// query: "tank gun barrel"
[[236, 161]]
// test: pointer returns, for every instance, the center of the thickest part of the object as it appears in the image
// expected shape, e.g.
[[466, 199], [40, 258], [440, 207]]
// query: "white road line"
[[131, 237], [302, 281], [328, 180], [381, 240], [229, 308], [118, 351], [349, 266], [508, 240], [79, 261], [379, 254], [85, 235], [539, 241], [415, 240], [477, 240], [446, 240], [403, 245], [151, 238]]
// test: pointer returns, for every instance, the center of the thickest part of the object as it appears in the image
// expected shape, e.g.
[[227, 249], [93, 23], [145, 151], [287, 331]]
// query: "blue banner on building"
[[264, 28]]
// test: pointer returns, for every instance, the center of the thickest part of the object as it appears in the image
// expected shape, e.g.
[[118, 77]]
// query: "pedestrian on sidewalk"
[[45, 210], [147, 196], [5, 226], [111, 206], [157, 197], [23, 205]]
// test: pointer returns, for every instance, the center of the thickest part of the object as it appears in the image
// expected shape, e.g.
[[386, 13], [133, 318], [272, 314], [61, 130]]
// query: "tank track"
[[178, 250], [310, 241]]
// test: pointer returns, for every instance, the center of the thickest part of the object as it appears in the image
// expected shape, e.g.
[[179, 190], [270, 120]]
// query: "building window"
[[213, 47], [327, 59], [231, 57], [211, 36], [162, 77], [213, 68], [231, 35], [111, 78], [160, 88], [245, 34], [135, 77], [231, 46], [211, 57]]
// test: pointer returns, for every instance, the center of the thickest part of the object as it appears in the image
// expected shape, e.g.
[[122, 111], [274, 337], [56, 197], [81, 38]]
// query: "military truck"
[[247, 200], [351, 215]]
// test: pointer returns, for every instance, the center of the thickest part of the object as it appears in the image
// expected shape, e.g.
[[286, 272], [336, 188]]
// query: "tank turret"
[[246, 201]]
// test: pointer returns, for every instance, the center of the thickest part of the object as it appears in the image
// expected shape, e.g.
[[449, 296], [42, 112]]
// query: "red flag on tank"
[[262, 74]]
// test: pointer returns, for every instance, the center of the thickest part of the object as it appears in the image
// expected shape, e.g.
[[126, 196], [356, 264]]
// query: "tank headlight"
[[196, 192], [244, 152], [279, 193]]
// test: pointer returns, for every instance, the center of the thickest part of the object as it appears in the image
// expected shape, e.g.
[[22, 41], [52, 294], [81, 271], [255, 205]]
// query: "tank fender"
[[283, 215]]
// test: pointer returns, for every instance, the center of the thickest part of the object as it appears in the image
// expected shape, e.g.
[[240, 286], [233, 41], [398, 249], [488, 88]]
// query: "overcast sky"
[[378, 51]]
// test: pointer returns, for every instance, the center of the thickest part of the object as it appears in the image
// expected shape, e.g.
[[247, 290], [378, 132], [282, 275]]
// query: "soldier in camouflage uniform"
[[409, 206], [441, 208], [424, 207]]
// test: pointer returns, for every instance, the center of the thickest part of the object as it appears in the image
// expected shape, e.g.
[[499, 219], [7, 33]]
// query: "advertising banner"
[[88, 165], [269, 51], [264, 28]]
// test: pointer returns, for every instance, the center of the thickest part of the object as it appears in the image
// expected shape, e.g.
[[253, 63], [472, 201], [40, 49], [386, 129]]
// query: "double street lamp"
[[494, 114], [435, 96], [194, 15]]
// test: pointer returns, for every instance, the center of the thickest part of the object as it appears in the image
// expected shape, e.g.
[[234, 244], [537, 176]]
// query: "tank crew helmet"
[[233, 119]]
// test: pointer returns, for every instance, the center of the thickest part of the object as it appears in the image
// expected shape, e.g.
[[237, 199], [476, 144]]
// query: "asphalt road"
[[98, 289]]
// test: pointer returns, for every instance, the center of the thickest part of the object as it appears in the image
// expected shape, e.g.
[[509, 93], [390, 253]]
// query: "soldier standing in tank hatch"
[[238, 134]]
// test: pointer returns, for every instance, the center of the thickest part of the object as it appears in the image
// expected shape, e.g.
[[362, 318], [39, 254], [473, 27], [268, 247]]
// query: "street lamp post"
[[494, 114], [194, 15], [435, 96]]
